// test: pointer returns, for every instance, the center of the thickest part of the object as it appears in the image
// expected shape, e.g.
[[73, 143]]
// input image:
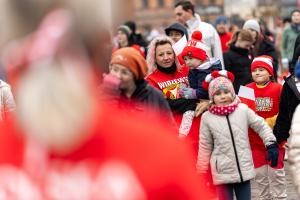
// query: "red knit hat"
[[195, 48], [132, 59], [263, 61]]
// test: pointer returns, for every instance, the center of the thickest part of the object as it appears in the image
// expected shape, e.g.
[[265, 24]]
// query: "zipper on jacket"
[[234, 147]]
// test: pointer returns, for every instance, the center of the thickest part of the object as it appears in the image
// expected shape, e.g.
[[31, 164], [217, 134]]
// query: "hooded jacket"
[[177, 27]]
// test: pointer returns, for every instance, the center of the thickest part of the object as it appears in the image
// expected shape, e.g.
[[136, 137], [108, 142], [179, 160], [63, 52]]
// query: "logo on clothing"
[[264, 104]]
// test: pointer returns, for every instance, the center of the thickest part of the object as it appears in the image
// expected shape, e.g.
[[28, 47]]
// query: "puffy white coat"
[[210, 37], [230, 154], [7, 102], [294, 149]]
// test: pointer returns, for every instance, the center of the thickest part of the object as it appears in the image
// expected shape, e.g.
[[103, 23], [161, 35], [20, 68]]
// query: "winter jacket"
[[149, 101], [210, 36], [294, 149], [288, 42], [197, 76], [289, 100], [7, 102], [237, 61], [224, 143]]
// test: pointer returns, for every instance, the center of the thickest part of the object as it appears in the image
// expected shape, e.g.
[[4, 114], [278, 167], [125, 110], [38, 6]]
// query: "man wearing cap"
[[225, 36], [185, 14]]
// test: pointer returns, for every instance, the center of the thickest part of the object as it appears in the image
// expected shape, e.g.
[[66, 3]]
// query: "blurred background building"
[[155, 14]]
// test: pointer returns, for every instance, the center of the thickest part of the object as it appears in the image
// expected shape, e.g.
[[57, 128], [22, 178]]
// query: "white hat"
[[252, 24]]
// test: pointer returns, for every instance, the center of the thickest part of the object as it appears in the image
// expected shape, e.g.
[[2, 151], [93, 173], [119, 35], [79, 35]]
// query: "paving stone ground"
[[291, 193]]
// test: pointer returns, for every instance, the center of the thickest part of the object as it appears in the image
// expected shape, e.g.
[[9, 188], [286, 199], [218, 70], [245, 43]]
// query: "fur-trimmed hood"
[[151, 62]]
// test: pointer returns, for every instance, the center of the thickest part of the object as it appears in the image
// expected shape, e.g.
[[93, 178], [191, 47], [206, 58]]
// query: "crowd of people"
[[197, 113]]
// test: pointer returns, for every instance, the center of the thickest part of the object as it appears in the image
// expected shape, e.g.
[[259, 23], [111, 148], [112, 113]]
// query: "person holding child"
[[224, 139], [200, 65]]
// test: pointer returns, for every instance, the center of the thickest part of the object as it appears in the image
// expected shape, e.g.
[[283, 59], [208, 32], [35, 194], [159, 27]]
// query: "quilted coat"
[[224, 143], [294, 149]]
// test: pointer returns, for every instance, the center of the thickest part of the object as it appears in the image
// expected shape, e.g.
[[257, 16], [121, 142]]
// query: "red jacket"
[[267, 105], [123, 156]]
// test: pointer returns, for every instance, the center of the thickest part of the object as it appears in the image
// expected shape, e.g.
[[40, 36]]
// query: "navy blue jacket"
[[197, 76]]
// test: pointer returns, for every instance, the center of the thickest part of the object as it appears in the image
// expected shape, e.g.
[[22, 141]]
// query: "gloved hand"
[[187, 93], [272, 154]]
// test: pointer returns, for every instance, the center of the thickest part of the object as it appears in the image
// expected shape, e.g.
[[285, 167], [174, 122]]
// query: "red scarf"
[[224, 110]]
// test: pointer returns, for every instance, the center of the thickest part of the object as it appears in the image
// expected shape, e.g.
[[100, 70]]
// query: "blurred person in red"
[[224, 34], [110, 154]]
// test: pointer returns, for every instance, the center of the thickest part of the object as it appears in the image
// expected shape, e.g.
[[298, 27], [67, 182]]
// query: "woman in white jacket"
[[224, 139], [7, 102]]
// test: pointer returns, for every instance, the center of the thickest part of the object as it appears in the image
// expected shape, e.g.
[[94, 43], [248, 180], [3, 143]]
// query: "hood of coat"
[[151, 61], [177, 27]]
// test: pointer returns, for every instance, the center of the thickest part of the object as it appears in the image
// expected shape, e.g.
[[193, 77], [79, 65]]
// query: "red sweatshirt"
[[267, 105]]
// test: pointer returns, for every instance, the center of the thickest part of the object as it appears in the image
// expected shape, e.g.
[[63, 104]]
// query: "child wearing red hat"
[[270, 179], [195, 57]]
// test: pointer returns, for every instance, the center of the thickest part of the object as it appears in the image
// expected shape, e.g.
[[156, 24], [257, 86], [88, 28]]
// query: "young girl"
[[224, 139], [270, 180]]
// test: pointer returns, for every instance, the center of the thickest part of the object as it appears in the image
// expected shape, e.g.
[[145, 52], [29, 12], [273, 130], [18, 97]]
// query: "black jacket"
[[237, 61], [197, 76], [150, 102], [289, 99]]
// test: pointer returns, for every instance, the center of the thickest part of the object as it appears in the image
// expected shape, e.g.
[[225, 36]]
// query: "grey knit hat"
[[252, 24]]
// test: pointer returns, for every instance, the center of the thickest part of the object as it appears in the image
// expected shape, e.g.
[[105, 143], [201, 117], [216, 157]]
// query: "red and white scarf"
[[224, 110]]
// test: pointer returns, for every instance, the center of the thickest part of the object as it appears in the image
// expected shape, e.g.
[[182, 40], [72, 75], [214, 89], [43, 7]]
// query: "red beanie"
[[195, 48], [264, 62], [132, 59]]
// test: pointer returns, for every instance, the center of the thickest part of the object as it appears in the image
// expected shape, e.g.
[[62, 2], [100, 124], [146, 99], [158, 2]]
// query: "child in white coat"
[[224, 139]]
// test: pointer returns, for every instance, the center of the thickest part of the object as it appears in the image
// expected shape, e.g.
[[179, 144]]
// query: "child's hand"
[[272, 154], [188, 93]]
